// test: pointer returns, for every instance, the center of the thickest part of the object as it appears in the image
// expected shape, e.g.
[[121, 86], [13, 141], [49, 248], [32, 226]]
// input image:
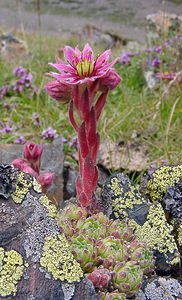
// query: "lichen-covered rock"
[[33, 251], [161, 288], [157, 233], [148, 219], [156, 183], [164, 185], [125, 199]]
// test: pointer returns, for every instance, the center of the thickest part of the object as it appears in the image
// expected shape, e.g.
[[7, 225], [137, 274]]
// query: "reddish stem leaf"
[[82, 141], [91, 131], [84, 106], [100, 104], [71, 116]]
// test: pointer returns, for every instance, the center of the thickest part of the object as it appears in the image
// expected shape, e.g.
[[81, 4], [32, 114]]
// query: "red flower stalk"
[[90, 80]]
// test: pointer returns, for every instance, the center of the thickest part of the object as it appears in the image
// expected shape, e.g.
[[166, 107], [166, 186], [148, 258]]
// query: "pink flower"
[[110, 81], [32, 153], [166, 76], [81, 67], [59, 91], [45, 179], [23, 166]]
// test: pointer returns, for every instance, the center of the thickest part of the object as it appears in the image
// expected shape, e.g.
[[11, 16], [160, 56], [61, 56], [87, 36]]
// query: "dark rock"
[[69, 176], [35, 261], [85, 291]]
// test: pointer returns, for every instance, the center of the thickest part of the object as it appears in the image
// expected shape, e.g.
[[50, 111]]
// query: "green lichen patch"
[[162, 178], [58, 260], [11, 271], [125, 197], [51, 208], [157, 233], [22, 187]]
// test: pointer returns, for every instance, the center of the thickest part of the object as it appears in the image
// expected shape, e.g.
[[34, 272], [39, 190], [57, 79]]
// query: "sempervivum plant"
[[107, 251], [84, 82], [112, 296], [127, 277], [84, 251]]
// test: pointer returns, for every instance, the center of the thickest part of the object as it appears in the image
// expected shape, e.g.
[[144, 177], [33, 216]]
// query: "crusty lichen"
[[22, 187], [51, 208], [58, 260], [158, 233], [11, 271], [165, 176], [124, 199], [36, 186], [180, 235]]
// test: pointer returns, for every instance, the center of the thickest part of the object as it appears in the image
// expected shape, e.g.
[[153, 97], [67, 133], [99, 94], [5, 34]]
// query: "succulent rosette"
[[84, 252], [112, 296], [68, 218], [127, 277], [142, 254], [111, 250], [101, 278], [94, 226], [121, 230]]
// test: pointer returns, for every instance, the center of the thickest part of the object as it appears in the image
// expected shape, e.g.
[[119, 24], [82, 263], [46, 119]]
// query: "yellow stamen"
[[84, 68]]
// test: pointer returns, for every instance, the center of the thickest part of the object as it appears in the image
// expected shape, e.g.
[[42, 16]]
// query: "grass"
[[132, 107]]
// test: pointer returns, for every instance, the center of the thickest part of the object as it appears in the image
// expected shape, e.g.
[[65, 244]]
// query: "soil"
[[124, 18]]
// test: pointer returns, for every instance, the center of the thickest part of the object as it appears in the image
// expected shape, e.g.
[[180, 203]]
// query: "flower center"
[[84, 68]]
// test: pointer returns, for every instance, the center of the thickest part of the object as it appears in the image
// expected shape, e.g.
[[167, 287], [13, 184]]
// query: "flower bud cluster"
[[107, 251], [31, 162]]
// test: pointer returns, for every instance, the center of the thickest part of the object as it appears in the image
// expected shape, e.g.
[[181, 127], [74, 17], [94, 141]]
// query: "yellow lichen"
[[180, 235], [58, 260], [36, 186], [124, 200], [157, 233], [166, 176], [23, 186], [51, 208], [11, 271]]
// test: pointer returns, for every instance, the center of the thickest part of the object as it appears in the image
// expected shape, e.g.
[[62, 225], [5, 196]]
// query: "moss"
[[23, 185], [11, 271], [124, 199], [58, 260], [165, 176], [51, 208], [158, 233]]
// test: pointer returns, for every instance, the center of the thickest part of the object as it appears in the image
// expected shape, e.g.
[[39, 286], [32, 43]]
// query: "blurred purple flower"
[[4, 90], [148, 50], [63, 140], [155, 62], [19, 71], [7, 129], [35, 119], [168, 42], [20, 140], [125, 58], [49, 134], [73, 142], [19, 86], [158, 49]]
